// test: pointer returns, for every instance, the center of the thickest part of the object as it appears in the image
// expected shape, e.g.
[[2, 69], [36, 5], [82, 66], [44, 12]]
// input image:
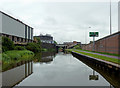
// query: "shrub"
[[33, 47], [38, 39], [5, 57], [19, 48], [43, 49], [7, 44]]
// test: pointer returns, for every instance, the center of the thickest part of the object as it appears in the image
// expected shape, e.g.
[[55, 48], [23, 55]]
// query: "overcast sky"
[[65, 20]]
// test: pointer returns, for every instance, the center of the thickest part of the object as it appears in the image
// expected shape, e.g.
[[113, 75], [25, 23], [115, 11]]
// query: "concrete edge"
[[103, 61]]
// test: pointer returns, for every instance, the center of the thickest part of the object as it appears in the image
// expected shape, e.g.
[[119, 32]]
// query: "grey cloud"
[[66, 21]]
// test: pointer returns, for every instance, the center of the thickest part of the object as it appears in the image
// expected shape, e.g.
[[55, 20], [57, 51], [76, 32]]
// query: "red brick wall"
[[109, 44]]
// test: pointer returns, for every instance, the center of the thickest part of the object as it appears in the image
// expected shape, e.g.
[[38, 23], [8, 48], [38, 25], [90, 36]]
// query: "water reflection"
[[93, 76], [44, 57], [17, 74], [64, 70], [112, 76]]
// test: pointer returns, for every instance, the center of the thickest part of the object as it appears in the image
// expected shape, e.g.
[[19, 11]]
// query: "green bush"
[[7, 44], [43, 49], [34, 47], [19, 48], [5, 57], [38, 39]]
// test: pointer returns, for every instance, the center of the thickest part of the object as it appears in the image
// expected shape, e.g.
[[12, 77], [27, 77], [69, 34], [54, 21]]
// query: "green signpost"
[[93, 34]]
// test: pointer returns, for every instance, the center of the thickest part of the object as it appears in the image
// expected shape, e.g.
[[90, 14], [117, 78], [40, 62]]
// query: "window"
[[28, 32], [21, 39], [18, 39], [25, 31], [25, 40], [12, 38], [7, 36], [31, 33]]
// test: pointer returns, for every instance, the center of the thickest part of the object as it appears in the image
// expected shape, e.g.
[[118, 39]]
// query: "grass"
[[101, 52], [114, 60], [9, 58]]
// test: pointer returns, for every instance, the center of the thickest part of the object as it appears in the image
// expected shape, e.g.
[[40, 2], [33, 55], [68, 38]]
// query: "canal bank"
[[13, 58], [110, 75], [106, 60]]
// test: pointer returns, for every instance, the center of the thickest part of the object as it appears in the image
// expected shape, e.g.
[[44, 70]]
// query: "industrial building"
[[46, 38], [16, 30], [47, 41]]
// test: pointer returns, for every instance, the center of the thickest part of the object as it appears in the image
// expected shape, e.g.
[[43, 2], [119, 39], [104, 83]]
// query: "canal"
[[60, 69]]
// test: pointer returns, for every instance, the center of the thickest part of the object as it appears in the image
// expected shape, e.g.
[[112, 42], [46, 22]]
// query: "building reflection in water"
[[44, 57], [17, 74], [110, 75]]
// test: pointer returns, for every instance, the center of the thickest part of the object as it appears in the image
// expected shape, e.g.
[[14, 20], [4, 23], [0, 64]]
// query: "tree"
[[33, 47], [38, 39], [7, 44], [55, 42]]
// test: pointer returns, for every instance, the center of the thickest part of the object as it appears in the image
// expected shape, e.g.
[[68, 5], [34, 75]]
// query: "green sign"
[[93, 34]]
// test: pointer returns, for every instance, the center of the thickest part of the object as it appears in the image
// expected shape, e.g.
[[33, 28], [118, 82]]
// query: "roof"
[[47, 35], [14, 18]]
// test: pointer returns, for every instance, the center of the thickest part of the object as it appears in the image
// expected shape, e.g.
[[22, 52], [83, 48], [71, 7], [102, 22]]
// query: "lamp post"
[[86, 38]]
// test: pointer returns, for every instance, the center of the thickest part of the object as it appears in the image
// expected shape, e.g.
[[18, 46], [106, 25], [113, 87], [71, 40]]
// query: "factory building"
[[46, 38], [16, 30]]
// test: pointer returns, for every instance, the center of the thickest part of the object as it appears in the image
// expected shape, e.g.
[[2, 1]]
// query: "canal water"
[[64, 70], [59, 69]]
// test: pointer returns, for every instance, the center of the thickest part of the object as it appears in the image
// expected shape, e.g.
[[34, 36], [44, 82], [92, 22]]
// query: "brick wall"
[[108, 44]]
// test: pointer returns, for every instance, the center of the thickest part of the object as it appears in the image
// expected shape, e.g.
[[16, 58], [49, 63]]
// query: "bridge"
[[64, 46], [71, 46], [61, 46]]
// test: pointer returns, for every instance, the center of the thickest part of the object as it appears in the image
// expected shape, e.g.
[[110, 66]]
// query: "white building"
[[15, 29]]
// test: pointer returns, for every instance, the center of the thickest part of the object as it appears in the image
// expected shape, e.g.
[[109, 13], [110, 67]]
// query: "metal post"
[[93, 43], [85, 40], [110, 20]]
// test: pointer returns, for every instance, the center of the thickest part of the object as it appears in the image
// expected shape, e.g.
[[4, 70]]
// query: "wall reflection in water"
[[110, 75], [17, 74], [44, 57]]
